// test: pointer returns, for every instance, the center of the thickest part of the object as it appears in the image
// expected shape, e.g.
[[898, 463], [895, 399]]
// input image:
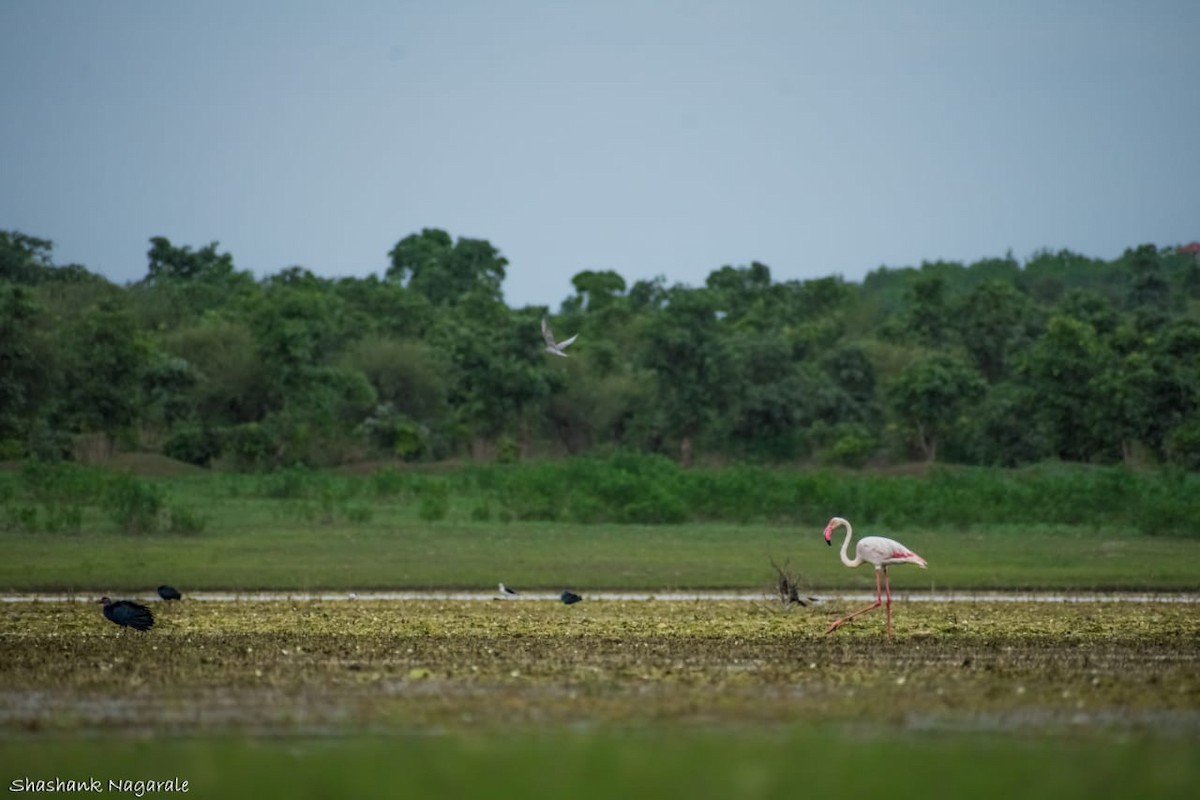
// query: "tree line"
[[992, 363]]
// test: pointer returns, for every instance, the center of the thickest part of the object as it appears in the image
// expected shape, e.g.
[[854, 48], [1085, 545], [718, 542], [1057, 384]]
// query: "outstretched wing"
[[566, 342], [547, 334]]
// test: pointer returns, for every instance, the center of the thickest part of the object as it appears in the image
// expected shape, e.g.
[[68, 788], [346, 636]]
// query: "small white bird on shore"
[[553, 347], [507, 592]]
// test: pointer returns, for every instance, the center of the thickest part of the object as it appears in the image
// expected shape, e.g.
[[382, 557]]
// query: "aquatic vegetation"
[[299, 665]]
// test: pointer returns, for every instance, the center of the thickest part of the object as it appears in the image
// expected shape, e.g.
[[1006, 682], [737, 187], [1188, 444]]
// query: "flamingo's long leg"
[[878, 601], [887, 582]]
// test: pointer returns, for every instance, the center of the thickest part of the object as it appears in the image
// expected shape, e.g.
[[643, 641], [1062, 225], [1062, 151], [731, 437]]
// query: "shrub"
[[434, 505], [1183, 445], [193, 444], [185, 521], [134, 505], [249, 445]]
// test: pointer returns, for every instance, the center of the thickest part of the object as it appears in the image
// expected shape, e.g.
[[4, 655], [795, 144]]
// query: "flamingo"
[[879, 551]]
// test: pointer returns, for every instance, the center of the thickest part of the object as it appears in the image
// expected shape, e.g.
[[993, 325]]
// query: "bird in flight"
[[127, 614], [877, 550], [553, 347]]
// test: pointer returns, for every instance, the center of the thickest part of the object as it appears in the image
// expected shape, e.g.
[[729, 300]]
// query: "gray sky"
[[652, 138]]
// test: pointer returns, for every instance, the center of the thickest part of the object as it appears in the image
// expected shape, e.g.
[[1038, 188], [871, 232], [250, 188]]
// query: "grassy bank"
[[402, 554], [72, 528]]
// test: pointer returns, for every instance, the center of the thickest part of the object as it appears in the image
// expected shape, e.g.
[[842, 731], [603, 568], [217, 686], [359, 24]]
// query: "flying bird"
[[553, 347], [169, 593], [506, 592], [877, 550], [127, 614], [570, 597]]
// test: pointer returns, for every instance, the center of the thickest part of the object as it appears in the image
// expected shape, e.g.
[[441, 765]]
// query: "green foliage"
[[931, 397], [990, 363], [250, 446], [193, 444], [134, 506], [435, 503], [1183, 445], [446, 272], [185, 521]]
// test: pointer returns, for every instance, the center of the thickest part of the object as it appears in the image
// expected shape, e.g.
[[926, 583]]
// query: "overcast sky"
[[651, 138]]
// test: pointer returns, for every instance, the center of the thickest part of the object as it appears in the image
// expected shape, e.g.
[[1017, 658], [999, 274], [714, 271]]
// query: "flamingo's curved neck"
[[846, 548]]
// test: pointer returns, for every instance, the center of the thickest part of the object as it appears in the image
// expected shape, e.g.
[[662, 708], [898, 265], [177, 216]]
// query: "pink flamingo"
[[879, 551]]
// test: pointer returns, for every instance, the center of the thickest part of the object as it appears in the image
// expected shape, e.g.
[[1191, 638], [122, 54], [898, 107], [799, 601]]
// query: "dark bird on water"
[[127, 614], [570, 597], [169, 593]]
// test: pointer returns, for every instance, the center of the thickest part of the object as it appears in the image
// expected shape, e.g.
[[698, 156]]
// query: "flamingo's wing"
[[888, 551]]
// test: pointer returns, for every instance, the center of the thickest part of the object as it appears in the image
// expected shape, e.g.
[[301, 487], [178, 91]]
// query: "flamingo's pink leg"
[[887, 582], [878, 601]]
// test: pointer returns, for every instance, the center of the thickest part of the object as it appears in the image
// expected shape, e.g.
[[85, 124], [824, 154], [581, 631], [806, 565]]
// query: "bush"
[[133, 505], [435, 503], [193, 444], [1183, 445], [249, 445], [185, 521]]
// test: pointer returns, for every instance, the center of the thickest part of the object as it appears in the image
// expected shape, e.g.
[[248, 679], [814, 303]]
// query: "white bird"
[[876, 550], [506, 592], [553, 347]]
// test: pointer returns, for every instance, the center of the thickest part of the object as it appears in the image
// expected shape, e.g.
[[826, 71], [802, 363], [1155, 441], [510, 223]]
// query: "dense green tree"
[[18, 366], [1148, 284], [691, 364], [408, 374], [595, 291], [995, 322], [233, 385], [108, 360], [931, 397], [24, 259], [445, 271], [766, 395], [927, 318], [1061, 369], [955, 362], [499, 377], [170, 262]]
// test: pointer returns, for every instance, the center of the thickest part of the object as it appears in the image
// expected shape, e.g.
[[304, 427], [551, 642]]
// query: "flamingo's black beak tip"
[[828, 542]]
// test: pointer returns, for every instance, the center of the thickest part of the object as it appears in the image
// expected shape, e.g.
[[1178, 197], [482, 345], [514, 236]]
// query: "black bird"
[[169, 593], [127, 614], [570, 597]]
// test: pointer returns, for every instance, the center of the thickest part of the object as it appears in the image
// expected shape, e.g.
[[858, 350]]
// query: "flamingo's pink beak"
[[829, 535]]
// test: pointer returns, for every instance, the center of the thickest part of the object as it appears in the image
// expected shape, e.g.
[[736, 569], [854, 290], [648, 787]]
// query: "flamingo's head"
[[829, 529]]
